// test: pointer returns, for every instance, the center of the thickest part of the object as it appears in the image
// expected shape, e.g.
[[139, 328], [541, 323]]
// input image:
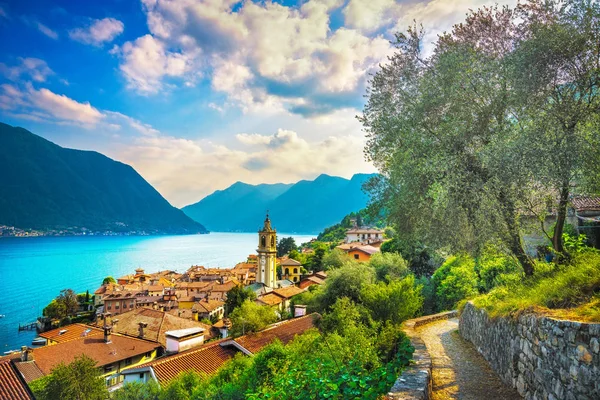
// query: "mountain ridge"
[[47, 187], [307, 206]]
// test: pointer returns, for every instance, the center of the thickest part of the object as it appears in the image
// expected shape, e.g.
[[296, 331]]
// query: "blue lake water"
[[34, 270]]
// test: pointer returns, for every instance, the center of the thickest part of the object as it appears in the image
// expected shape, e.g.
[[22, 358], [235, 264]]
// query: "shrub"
[[454, 281]]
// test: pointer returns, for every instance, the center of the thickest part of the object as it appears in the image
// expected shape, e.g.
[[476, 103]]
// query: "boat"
[[2, 315], [7, 353], [38, 341]]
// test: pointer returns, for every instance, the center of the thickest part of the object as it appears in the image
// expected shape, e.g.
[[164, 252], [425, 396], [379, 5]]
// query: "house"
[[118, 302], [210, 357], [359, 251], [12, 384], [364, 235], [208, 309], [587, 218], [291, 269], [152, 325], [318, 278], [286, 295], [111, 352], [70, 332], [271, 300]]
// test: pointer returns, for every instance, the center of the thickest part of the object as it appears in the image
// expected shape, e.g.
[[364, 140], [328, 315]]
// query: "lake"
[[34, 270]]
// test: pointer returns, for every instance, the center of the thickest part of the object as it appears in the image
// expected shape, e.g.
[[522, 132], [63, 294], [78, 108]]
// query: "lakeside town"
[[155, 325]]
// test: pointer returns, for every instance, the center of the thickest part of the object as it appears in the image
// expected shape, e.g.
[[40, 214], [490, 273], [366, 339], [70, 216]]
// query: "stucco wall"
[[541, 357]]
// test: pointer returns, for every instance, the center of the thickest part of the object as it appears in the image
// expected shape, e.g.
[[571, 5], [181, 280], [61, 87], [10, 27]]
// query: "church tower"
[[267, 254]]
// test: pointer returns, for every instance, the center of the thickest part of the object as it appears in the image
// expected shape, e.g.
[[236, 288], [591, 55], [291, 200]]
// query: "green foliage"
[[236, 297], [418, 256], [108, 279], [65, 305], [335, 259], [314, 261], [575, 244], [286, 245], [454, 281], [388, 266], [337, 232], [138, 391], [394, 302], [251, 317], [555, 287], [493, 268], [79, 380], [347, 281]]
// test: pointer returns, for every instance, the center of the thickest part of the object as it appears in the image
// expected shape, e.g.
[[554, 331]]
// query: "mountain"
[[47, 187], [303, 207]]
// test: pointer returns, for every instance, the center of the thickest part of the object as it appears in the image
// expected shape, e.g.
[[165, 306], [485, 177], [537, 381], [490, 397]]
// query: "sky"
[[199, 94]]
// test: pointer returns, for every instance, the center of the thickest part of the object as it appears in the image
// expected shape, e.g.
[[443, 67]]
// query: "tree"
[[251, 317], [454, 281], [55, 310], [68, 298], [393, 302], [108, 280], [315, 260], [236, 297], [335, 259], [440, 131], [389, 266], [557, 77], [79, 380], [420, 261], [286, 245], [138, 391], [347, 281]]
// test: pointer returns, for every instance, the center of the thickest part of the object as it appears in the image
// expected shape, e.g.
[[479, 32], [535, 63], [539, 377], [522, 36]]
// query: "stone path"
[[459, 371]]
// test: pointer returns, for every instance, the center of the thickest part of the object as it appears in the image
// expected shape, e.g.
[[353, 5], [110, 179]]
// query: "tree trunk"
[[561, 216], [513, 237]]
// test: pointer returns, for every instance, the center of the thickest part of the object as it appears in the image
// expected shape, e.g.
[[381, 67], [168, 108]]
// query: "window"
[[108, 307], [287, 271], [117, 306], [295, 279], [356, 256], [272, 241], [142, 376], [295, 270], [149, 354], [128, 361], [263, 241], [108, 368]]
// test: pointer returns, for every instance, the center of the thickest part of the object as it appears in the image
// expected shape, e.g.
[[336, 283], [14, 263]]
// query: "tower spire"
[[267, 226]]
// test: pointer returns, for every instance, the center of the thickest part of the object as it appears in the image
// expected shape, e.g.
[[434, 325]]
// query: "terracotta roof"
[[270, 299], [284, 331], [290, 262], [288, 292], [29, 370], [158, 322], [226, 287], [586, 203], [12, 385], [120, 348], [321, 274], [314, 279], [73, 331], [120, 296], [208, 305], [153, 288], [206, 359]]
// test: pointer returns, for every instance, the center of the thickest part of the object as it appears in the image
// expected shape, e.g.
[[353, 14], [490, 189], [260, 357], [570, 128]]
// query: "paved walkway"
[[459, 371]]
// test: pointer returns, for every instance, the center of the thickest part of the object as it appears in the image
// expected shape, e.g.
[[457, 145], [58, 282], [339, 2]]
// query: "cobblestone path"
[[459, 371]]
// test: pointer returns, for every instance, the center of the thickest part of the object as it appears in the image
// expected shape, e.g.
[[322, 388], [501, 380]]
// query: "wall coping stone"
[[415, 381]]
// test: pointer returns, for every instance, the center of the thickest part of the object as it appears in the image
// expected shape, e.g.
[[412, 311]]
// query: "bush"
[[389, 266], [454, 281]]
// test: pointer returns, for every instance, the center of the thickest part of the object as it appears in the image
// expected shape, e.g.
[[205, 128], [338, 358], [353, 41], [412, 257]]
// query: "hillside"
[[46, 187], [303, 207]]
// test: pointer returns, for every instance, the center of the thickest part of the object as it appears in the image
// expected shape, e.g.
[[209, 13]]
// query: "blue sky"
[[199, 94]]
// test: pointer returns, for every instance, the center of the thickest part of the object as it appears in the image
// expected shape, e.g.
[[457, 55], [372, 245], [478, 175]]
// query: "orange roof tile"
[[206, 359], [29, 370], [290, 262], [284, 331], [12, 385], [270, 299], [586, 203], [288, 292], [120, 348], [71, 332]]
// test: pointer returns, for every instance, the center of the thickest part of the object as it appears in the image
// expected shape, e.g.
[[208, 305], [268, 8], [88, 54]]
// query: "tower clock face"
[[262, 261]]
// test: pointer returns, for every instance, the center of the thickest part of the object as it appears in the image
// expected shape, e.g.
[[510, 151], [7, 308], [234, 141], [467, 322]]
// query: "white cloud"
[[100, 31], [33, 68], [260, 55], [146, 62], [46, 31]]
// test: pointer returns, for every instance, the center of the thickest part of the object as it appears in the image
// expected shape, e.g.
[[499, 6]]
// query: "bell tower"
[[267, 254]]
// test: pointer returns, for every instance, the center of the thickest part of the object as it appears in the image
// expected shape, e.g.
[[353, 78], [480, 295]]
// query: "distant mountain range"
[[303, 207], [47, 187]]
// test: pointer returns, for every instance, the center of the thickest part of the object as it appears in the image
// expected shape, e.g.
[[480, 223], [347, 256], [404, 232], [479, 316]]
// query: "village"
[[153, 326]]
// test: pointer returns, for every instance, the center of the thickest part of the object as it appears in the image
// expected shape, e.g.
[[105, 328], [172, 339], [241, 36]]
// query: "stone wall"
[[543, 358], [415, 381]]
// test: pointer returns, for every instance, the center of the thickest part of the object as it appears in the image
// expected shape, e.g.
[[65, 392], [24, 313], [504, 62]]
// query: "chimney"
[[26, 354], [107, 329], [142, 325]]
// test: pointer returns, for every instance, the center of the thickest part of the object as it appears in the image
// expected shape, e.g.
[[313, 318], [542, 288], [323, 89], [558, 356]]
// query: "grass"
[[570, 291]]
